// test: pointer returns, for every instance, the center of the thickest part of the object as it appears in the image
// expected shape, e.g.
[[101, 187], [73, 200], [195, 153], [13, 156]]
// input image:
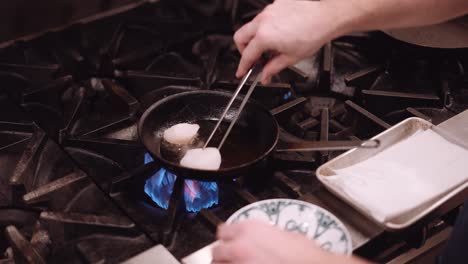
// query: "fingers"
[[222, 253], [245, 34], [237, 244], [224, 250], [274, 66], [237, 251], [227, 232], [252, 52]]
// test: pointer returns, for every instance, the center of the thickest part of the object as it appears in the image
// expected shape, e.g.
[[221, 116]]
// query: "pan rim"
[[265, 154]]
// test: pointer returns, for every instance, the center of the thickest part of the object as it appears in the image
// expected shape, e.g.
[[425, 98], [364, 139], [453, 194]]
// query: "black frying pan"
[[252, 139]]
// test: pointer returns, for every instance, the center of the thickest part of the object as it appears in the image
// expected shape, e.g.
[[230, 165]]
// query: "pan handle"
[[307, 146]]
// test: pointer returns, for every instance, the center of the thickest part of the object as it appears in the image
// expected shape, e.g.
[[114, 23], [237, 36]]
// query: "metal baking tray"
[[388, 138]]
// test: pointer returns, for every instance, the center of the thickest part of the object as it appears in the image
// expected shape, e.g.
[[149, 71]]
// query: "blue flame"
[[159, 187], [287, 96], [197, 194]]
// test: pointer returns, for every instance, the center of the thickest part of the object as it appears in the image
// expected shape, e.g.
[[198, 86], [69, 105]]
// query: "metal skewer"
[[241, 107], [234, 96]]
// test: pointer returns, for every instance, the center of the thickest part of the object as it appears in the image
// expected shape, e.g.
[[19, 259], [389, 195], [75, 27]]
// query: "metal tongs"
[[241, 107]]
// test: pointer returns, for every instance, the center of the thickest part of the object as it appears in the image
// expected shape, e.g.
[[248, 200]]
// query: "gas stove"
[[77, 186]]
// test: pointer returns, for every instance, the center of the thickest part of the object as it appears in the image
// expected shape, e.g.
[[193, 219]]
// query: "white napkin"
[[405, 176]]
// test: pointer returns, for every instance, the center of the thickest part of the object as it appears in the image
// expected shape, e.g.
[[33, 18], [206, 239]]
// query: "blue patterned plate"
[[297, 216]]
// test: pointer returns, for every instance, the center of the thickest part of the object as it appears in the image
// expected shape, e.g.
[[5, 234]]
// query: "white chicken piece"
[[182, 133], [202, 159]]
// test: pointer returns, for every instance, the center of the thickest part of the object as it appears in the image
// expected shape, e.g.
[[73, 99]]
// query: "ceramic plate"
[[297, 216]]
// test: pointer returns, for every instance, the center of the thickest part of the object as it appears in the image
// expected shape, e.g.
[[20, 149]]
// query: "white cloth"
[[405, 176]]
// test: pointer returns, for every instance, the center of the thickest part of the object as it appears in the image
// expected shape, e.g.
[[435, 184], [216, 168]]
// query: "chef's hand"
[[292, 30], [258, 242], [289, 30]]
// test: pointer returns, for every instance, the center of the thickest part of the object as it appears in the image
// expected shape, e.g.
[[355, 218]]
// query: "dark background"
[[20, 18]]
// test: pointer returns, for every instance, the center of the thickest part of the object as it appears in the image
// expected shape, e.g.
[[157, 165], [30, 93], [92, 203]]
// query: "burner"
[[197, 195], [78, 186]]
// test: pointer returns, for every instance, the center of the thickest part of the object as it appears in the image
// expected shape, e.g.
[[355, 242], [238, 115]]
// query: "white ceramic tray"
[[388, 138]]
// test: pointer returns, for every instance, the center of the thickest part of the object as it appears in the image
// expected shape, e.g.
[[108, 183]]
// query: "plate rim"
[[314, 206]]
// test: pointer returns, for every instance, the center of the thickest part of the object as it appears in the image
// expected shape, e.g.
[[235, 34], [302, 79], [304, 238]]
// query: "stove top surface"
[[74, 171]]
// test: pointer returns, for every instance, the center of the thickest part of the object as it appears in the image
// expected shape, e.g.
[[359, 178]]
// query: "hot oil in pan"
[[240, 147]]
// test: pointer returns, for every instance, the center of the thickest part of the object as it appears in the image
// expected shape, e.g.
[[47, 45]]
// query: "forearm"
[[364, 15]]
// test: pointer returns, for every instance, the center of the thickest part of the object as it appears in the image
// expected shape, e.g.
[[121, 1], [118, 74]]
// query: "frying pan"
[[252, 140]]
